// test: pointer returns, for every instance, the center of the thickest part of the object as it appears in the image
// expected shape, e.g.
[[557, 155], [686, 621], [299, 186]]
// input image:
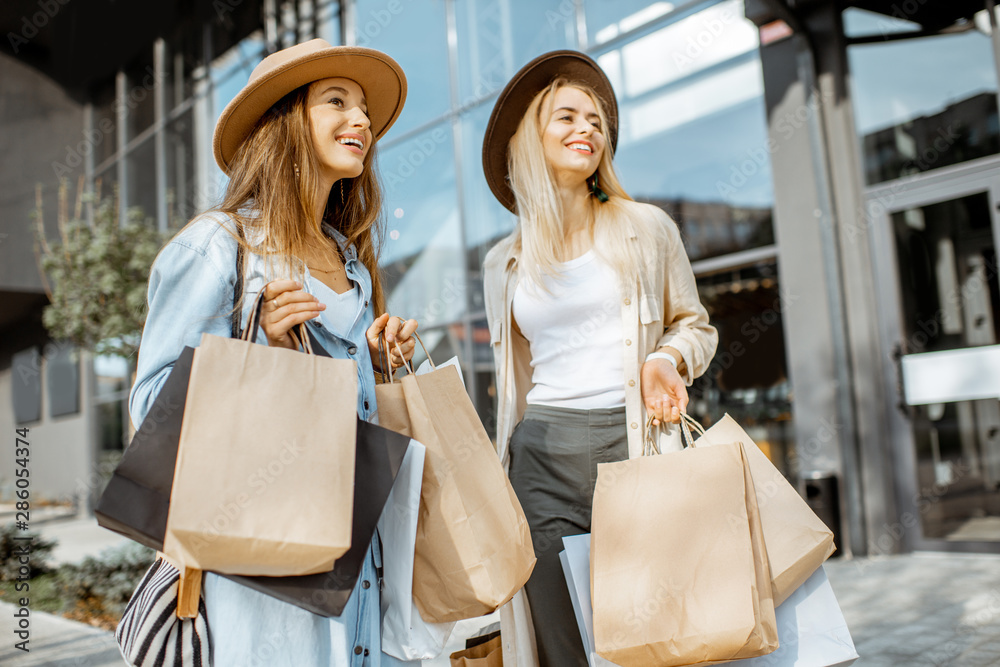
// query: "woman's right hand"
[[286, 305]]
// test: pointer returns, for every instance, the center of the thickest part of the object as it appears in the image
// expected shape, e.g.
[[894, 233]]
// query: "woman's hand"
[[663, 391], [286, 305], [392, 330]]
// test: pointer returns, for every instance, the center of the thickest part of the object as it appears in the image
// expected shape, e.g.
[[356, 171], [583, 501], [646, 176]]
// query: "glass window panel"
[[925, 103], [415, 35], [111, 426], [328, 22], [140, 83], [105, 123], [141, 167], [497, 37], [422, 253], [863, 23], [681, 49], [229, 73], [182, 57], [181, 197], [106, 181], [112, 375], [748, 378], [606, 19], [486, 220], [700, 152]]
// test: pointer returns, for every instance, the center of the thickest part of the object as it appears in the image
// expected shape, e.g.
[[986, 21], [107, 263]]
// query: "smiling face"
[[341, 130], [572, 137]]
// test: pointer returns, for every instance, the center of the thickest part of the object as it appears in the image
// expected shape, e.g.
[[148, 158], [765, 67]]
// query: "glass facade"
[[693, 141], [921, 104]]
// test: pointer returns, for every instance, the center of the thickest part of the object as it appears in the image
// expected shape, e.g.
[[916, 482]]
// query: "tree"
[[96, 274]]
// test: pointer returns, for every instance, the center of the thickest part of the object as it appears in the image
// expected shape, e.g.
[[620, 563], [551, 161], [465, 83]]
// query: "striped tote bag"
[[151, 635]]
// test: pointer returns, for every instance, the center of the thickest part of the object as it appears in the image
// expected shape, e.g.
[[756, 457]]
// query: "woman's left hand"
[[663, 391], [392, 329]]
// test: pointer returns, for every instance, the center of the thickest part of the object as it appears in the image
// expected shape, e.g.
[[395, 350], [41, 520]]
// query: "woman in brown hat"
[[594, 317], [299, 218]]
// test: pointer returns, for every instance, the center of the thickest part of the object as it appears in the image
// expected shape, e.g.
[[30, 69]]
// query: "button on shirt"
[[190, 292]]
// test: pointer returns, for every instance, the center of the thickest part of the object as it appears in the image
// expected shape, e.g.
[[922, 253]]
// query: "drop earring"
[[596, 190], [296, 166], [343, 200]]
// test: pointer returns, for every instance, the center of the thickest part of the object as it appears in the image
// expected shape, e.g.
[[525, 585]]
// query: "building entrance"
[[936, 248]]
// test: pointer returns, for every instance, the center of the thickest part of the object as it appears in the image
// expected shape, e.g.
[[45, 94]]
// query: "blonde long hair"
[[538, 237], [275, 173]]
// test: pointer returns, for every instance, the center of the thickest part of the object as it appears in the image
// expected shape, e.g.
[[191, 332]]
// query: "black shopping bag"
[[137, 499]]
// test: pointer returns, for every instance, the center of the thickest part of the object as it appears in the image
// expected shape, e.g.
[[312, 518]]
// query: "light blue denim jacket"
[[191, 292]]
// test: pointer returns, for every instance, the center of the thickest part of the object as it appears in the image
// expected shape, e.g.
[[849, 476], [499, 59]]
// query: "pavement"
[[914, 610]]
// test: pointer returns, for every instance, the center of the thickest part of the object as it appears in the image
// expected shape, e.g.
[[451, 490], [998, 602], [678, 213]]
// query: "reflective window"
[[140, 84], [181, 195], [141, 180], [415, 35], [748, 378], [497, 37], [105, 123], [328, 22], [423, 254], [693, 137], [922, 104], [606, 19], [486, 220]]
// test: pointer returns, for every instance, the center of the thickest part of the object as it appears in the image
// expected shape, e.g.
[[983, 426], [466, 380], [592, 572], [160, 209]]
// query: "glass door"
[[940, 278]]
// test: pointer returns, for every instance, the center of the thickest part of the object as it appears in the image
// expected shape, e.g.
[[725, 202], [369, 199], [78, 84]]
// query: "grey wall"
[[41, 126]]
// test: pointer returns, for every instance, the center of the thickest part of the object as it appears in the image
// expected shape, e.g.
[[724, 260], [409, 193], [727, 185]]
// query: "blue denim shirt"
[[191, 292]]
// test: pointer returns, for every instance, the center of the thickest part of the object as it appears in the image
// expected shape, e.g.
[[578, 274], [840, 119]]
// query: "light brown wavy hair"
[[263, 178]]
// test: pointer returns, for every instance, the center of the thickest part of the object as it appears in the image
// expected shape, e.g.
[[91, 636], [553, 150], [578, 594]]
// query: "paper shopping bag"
[[679, 567], [487, 654], [264, 480], [798, 542], [405, 635], [811, 630], [473, 546], [136, 500], [575, 559]]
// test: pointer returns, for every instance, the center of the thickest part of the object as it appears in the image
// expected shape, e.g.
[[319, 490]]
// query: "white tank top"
[[575, 334]]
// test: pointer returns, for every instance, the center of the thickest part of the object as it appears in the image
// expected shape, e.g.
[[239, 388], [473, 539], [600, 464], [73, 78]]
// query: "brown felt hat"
[[380, 77], [517, 95]]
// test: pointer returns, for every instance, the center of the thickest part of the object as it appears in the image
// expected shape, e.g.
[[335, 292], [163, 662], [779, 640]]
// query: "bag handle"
[[650, 445], [406, 364], [300, 334]]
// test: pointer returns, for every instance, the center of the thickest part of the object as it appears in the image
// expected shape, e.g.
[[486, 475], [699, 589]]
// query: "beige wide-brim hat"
[[515, 99], [380, 77]]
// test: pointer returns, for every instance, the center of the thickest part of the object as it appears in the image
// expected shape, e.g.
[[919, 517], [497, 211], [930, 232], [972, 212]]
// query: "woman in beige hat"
[[594, 317], [299, 219]]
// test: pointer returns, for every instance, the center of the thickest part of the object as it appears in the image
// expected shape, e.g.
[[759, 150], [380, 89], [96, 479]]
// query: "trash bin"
[[823, 498]]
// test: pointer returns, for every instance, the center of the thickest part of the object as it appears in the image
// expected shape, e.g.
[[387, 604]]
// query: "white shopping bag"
[[812, 631], [405, 635], [576, 567]]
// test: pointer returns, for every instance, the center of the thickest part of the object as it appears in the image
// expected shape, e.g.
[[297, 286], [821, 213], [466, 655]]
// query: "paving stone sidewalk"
[[918, 610]]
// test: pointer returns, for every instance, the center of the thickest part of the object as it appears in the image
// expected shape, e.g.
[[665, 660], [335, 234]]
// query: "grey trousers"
[[553, 469]]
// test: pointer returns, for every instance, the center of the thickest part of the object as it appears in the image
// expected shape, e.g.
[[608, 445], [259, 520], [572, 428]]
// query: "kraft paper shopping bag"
[[798, 542], [679, 566], [264, 479], [473, 545]]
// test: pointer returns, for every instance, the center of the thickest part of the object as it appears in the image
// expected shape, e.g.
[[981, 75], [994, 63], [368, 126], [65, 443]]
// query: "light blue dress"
[[190, 292]]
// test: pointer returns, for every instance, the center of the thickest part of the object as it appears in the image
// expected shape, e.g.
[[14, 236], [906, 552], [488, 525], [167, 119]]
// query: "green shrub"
[[102, 586], [10, 551]]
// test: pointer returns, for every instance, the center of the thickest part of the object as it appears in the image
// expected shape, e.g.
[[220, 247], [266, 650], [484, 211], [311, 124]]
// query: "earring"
[[343, 200], [296, 166], [596, 190]]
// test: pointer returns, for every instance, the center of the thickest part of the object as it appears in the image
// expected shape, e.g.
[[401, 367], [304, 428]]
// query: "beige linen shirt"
[[664, 309]]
